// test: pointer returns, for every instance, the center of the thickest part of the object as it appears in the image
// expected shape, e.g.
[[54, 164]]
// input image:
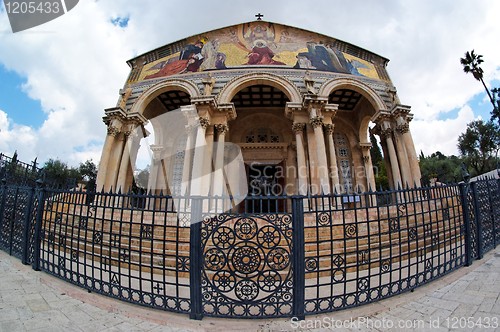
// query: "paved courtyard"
[[465, 300]]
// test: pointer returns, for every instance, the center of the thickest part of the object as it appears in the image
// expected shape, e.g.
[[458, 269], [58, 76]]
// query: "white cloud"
[[75, 65], [15, 137], [440, 135]]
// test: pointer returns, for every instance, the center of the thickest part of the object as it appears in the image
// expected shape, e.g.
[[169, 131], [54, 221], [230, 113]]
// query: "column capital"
[[204, 122], [221, 129], [113, 131], [385, 132], [298, 127], [316, 121], [329, 128], [157, 151], [403, 128]]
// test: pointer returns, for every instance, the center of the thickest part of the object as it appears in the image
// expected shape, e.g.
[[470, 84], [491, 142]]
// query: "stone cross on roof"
[[259, 16]]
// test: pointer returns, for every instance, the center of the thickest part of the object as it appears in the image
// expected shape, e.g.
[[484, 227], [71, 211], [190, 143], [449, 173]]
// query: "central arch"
[[232, 87]]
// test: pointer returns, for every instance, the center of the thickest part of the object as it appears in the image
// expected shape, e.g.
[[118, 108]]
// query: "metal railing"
[[266, 257]]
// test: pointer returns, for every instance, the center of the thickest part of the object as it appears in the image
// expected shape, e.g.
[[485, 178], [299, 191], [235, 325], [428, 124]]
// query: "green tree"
[[479, 145], [57, 172], [87, 172], [381, 179], [440, 167]]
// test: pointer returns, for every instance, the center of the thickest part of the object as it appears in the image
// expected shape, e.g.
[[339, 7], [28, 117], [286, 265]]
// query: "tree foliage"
[[441, 168], [59, 173], [479, 145]]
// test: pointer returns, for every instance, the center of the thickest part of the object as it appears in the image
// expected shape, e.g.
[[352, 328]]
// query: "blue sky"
[[16, 103], [57, 79]]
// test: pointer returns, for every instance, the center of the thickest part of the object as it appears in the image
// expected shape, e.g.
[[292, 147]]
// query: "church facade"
[[298, 105]]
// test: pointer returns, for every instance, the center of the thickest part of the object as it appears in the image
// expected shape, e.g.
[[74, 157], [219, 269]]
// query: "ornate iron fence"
[[266, 257]]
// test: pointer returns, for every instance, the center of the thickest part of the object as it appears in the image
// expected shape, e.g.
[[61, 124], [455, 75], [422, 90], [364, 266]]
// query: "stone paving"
[[465, 300]]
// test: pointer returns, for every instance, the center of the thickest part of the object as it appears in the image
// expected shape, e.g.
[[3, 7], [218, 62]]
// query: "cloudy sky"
[[56, 79]]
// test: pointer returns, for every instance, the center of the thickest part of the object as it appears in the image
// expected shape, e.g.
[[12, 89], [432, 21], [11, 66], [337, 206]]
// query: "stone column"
[[156, 172], [411, 153], [367, 160], [218, 182], [386, 133], [197, 180], [334, 169], [404, 165], [188, 159], [317, 124], [387, 161], [291, 176], [114, 162], [102, 175], [124, 163], [298, 129]]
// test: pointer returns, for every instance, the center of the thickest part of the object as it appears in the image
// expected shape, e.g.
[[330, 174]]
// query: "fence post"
[[195, 259], [12, 221], [38, 225], [298, 257], [27, 227], [479, 222], [2, 202], [464, 188]]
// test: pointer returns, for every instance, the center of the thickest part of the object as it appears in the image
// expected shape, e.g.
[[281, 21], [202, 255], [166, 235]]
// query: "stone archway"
[[122, 141], [232, 87], [166, 85], [373, 98]]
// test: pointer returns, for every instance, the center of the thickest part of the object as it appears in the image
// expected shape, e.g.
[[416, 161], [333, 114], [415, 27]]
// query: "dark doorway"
[[265, 185]]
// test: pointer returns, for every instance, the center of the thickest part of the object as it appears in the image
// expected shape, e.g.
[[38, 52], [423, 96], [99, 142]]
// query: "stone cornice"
[[204, 100], [292, 108], [114, 113], [229, 109], [137, 118]]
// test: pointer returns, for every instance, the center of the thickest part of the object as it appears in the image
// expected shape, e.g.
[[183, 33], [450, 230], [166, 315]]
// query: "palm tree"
[[471, 63]]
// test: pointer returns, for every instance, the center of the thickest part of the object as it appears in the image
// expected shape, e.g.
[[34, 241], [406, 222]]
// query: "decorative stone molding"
[[316, 122], [366, 159], [309, 83], [208, 84], [298, 127]]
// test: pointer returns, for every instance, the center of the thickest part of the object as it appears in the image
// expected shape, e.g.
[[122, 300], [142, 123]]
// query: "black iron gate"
[[17, 206]]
